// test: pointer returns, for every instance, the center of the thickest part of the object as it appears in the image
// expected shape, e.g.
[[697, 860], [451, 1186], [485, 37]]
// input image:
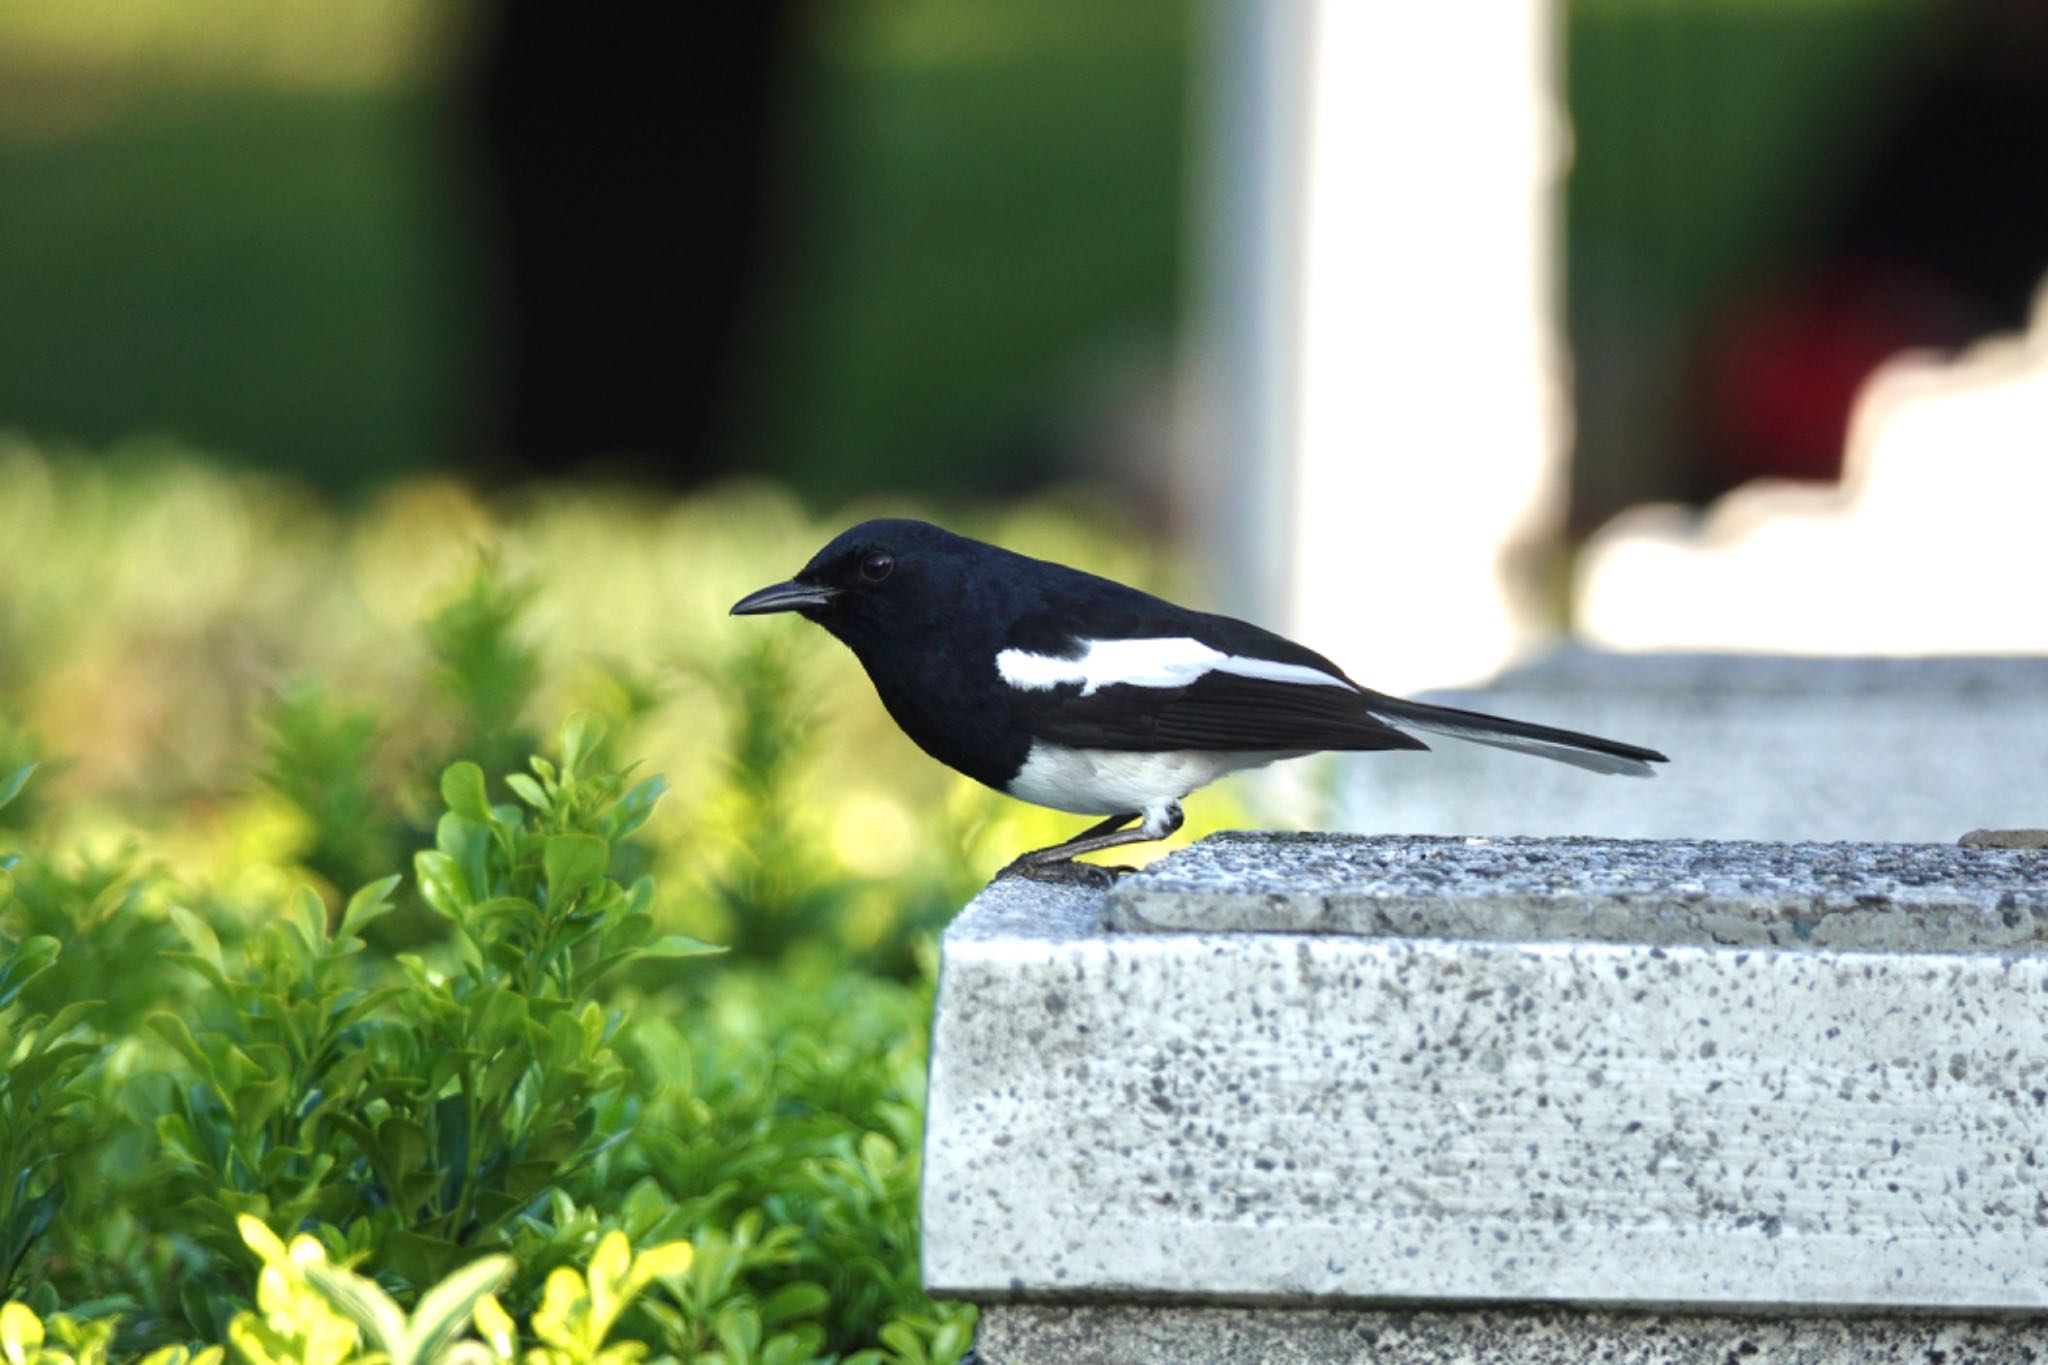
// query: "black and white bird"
[[1075, 692]]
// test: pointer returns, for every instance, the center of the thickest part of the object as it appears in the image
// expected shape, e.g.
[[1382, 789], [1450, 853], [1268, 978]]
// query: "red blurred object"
[[1783, 373]]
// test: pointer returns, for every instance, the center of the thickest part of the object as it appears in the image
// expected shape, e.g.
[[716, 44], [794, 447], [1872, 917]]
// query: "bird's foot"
[[1064, 871]]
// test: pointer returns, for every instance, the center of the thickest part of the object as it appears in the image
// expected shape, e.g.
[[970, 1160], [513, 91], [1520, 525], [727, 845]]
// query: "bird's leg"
[[1056, 864]]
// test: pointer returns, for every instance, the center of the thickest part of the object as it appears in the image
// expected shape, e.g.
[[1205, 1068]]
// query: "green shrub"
[[42, 1101], [321, 759], [42, 1098], [507, 1092], [365, 974]]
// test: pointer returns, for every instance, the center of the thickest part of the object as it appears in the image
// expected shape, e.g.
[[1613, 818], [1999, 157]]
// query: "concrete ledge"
[[1027, 1334], [1851, 1118], [1914, 897]]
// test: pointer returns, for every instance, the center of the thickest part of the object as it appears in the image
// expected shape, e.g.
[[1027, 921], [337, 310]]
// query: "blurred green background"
[[259, 228], [253, 227]]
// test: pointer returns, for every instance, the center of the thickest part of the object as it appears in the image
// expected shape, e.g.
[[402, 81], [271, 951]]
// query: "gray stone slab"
[[1917, 897], [1306, 1119], [1761, 747], [2005, 838], [1574, 671], [1052, 1334]]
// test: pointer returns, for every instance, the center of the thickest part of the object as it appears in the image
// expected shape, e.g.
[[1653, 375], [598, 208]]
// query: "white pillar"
[[1392, 415], [1248, 205]]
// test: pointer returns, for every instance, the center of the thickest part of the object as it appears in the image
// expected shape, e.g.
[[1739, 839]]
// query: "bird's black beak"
[[790, 596]]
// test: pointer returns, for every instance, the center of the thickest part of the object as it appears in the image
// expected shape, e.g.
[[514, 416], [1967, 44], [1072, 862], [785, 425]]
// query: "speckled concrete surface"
[[1917, 897], [1293, 1118], [1015, 1334], [1917, 750]]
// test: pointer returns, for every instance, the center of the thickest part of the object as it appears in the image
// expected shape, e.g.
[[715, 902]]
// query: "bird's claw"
[[1065, 872]]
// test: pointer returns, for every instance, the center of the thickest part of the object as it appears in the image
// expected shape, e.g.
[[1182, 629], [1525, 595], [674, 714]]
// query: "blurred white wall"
[[1934, 542], [1382, 365]]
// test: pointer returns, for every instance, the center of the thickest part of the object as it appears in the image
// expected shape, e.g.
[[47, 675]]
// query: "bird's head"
[[886, 578]]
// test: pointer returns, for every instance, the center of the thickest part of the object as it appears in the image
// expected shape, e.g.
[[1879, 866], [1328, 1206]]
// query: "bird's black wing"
[[1216, 711], [1135, 704]]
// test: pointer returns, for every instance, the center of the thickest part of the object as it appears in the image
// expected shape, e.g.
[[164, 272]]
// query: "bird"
[[1073, 691]]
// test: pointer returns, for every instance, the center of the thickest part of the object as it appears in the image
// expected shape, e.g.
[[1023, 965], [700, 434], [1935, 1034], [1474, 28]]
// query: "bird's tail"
[[1564, 746]]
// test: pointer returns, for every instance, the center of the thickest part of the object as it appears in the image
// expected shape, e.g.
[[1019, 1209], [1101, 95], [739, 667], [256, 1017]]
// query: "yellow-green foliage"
[[26, 1339], [310, 1311], [475, 1117], [155, 605], [304, 927]]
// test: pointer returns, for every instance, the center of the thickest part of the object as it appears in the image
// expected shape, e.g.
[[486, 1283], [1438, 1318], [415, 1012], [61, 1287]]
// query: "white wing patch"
[[1170, 662]]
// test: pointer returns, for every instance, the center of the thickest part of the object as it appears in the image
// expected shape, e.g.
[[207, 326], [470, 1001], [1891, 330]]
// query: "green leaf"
[[27, 1075], [404, 1144], [634, 807], [68, 1018], [11, 785], [496, 1327], [573, 864], [503, 1073], [214, 976], [799, 1300], [609, 1266], [363, 1303], [420, 1258], [529, 791], [415, 1190], [462, 788], [498, 1014], [184, 1355], [900, 1337], [441, 883], [309, 917], [669, 1261], [30, 960], [738, 1329], [878, 1154], [627, 929], [951, 1341], [528, 1178], [197, 932], [680, 945], [581, 734], [367, 904], [445, 1309], [21, 1332], [671, 948], [513, 909], [257, 1236]]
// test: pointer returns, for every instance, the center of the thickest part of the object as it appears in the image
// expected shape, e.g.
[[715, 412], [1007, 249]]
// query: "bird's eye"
[[877, 565]]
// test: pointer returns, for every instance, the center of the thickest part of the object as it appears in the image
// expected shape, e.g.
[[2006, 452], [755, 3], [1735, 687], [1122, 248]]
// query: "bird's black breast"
[[948, 698]]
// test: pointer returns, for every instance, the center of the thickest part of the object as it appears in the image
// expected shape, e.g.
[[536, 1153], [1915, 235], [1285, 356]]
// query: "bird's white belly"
[[1113, 782]]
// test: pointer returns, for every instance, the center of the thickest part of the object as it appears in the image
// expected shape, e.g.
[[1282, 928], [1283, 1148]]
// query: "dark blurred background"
[[1770, 198], [917, 244], [853, 245]]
